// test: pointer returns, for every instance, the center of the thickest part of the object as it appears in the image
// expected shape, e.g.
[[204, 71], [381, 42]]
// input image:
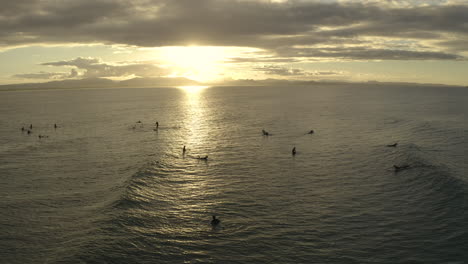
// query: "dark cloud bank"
[[292, 29]]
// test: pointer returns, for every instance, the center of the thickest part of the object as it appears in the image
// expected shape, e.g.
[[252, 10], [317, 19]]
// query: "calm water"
[[98, 190]]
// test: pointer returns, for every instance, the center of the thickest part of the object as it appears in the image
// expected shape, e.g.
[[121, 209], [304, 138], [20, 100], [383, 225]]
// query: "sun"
[[203, 63], [200, 63], [193, 56]]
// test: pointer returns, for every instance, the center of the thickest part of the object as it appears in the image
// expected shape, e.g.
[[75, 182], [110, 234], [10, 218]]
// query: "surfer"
[[294, 151], [402, 167], [393, 145], [22, 129], [183, 149], [157, 124], [203, 158], [30, 126], [55, 126], [215, 221], [265, 133], [311, 132]]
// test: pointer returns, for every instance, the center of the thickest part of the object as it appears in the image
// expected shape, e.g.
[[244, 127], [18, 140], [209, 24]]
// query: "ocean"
[[106, 186]]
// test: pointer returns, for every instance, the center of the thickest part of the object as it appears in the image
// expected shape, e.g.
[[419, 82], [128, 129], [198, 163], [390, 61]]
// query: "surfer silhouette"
[[402, 167], [215, 221]]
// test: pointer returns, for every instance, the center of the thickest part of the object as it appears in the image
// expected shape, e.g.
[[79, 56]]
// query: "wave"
[[432, 181], [137, 193]]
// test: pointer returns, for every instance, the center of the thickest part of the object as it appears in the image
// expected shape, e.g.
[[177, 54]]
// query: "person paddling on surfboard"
[[402, 167]]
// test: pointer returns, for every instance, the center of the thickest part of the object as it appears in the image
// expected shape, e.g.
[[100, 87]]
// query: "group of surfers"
[[30, 129]]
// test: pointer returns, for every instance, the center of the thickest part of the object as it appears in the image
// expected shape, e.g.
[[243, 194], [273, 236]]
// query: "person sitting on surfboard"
[[215, 221]]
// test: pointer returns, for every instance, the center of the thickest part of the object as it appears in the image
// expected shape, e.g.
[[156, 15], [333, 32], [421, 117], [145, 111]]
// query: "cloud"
[[78, 62], [281, 71], [43, 75], [328, 73], [456, 44], [94, 67], [364, 53], [269, 25], [260, 60], [294, 72]]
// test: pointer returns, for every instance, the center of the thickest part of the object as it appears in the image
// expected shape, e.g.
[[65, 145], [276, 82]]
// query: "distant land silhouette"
[[104, 83]]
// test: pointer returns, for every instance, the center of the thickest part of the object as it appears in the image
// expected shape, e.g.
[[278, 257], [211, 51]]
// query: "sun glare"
[[200, 63], [193, 56]]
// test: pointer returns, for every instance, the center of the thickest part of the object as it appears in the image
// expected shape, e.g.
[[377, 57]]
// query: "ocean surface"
[[105, 188]]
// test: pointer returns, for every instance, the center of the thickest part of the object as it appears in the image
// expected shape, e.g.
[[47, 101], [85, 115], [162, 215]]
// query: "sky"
[[218, 40]]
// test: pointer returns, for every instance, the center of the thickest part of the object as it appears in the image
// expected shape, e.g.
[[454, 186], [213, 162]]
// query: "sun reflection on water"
[[196, 118], [193, 88]]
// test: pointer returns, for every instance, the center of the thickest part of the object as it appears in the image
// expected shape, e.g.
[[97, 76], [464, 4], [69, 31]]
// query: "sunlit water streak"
[[103, 188]]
